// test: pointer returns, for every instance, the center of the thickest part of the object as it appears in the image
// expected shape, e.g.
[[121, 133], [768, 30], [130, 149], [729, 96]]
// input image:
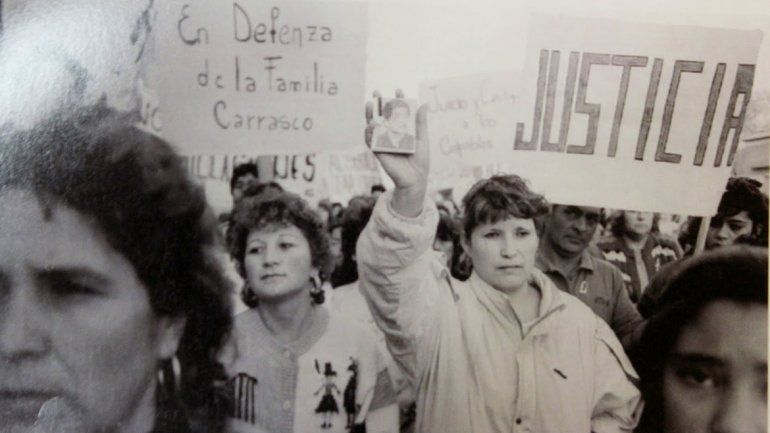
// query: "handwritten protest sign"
[[469, 123], [302, 174], [351, 173], [257, 76], [632, 116]]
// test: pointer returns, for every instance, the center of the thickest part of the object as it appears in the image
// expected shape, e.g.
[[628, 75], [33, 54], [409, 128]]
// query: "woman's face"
[[716, 377], [503, 253], [77, 332], [726, 231], [638, 223], [278, 263]]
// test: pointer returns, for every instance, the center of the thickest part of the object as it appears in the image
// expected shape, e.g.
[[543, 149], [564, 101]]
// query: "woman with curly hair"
[[112, 306], [290, 355]]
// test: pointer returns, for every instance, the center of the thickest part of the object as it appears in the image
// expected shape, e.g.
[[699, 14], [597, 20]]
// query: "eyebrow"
[[696, 358], [71, 273]]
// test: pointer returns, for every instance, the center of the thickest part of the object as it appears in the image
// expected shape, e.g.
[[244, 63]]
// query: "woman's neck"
[[289, 319], [526, 302], [635, 241]]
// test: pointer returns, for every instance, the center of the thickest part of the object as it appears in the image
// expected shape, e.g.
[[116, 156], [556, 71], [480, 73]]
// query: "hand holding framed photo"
[[395, 128]]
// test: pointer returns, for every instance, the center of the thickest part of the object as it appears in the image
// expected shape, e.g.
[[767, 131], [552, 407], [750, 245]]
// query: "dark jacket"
[[656, 253]]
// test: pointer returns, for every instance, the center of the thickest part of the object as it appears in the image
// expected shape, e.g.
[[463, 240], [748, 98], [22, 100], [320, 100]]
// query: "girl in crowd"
[[703, 354], [294, 366], [504, 351], [112, 307], [637, 250]]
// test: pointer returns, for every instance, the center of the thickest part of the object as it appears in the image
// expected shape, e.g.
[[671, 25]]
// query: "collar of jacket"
[[497, 302]]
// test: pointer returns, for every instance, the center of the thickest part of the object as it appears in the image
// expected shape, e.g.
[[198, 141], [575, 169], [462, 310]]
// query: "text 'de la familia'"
[[270, 77]]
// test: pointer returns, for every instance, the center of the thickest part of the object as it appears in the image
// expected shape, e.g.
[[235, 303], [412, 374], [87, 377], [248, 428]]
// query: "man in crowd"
[[244, 175], [563, 256]]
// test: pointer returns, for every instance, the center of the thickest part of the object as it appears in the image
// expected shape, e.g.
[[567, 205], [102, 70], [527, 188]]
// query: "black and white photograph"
[[384, 216], [394, 133]]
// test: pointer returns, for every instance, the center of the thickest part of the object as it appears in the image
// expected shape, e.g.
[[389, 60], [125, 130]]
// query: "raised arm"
[[397, 273]]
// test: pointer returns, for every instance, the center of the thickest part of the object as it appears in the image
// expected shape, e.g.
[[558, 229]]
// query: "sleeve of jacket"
[[617, 400], [375, 396], [399, 281], [626, 320]]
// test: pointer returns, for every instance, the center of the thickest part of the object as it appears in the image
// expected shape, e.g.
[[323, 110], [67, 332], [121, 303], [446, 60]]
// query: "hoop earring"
[[247, 295], [316, 289], [170, 375]]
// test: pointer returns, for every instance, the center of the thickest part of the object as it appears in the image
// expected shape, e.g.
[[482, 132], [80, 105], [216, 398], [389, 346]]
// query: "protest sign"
[[350, 173], [254, 76], [302, 174], [631, 116], [469, 125]]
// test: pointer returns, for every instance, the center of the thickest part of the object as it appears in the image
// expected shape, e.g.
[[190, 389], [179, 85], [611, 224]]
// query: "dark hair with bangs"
[[275, 207], [744, 194], [500, 197]]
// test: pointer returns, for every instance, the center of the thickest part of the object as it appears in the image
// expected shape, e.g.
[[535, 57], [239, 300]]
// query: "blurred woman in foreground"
[[703, 354], [112, 308]]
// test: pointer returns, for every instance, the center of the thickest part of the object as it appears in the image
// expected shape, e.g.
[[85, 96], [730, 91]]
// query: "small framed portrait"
[[395, 128]]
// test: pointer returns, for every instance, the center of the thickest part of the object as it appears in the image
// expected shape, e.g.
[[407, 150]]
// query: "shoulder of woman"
[[575, 311]]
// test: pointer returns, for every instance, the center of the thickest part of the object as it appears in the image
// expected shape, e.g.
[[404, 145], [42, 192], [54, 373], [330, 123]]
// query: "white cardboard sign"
[[256, 76], [469, 125], [631, 116]]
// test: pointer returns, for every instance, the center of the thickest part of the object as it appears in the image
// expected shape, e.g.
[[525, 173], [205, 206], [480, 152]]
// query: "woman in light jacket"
[[505, 351]]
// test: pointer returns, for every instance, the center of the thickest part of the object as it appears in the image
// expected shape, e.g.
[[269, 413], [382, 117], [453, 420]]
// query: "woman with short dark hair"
[[505, 350]]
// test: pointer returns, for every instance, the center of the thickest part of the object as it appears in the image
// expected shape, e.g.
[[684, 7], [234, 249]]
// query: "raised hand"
[[409, 172]]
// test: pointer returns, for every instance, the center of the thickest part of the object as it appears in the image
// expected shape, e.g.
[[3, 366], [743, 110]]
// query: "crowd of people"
[[390, 313]]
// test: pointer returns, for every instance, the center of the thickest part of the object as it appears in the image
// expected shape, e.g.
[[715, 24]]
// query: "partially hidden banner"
[[261, 77], [302, 174], [469, 125], [631, 116], [337, 176]]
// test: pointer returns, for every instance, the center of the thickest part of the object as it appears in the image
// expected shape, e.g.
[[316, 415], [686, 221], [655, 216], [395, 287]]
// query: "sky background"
[[415, 41]]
